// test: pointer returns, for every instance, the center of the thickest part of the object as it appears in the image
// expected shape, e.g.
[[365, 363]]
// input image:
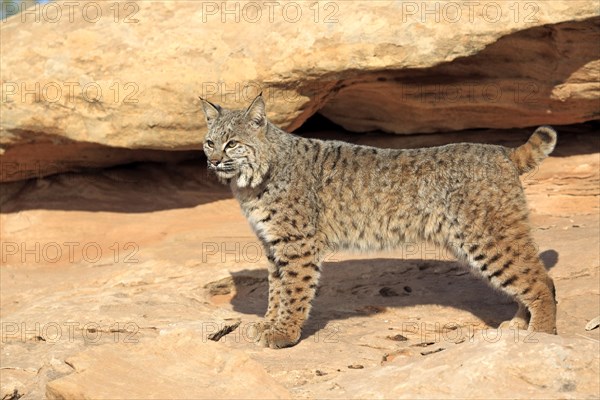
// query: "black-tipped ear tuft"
[[256, 112], [211, 111]]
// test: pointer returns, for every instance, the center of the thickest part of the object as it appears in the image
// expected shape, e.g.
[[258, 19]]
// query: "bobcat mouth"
[[224, 171]]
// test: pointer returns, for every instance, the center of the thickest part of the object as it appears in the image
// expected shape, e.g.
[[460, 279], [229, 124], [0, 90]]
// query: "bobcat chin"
[[305, 196]]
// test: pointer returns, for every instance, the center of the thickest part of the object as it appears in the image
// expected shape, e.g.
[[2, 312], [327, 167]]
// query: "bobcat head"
[[236, 145]]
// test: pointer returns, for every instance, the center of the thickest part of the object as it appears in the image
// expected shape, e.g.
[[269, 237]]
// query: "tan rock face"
[[176, 365], [128, 75], [532, 77], [502, 364]]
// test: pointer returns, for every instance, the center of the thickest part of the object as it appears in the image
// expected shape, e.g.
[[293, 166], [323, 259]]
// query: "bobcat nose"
[[214, 162]]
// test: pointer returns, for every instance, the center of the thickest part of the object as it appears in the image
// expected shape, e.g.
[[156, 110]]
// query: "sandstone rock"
[[504, 366], [532, 77], [95, 76], [177, 365]]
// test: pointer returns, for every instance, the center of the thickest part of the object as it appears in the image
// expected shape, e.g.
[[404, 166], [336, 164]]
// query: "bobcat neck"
[[278, 147]]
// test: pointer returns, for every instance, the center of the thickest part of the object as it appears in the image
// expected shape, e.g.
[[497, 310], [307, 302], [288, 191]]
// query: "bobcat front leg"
[[274, 278], [274, 292], [296, 284]]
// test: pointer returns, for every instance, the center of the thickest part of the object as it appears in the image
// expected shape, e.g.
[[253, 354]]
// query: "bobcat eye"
[[231, 144], [210, 143]]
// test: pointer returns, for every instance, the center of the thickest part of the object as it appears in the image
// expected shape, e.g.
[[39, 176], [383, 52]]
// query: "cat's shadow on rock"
[[355, 288]]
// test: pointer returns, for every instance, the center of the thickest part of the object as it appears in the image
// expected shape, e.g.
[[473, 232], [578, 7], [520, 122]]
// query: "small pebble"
[[425, 353], [355, 366], [423, 344], [593, 324], [398, 338]]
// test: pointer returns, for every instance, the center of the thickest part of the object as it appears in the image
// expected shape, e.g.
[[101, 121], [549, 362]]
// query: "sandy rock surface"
[[504, 365], [175, 365], [112, 283], [105, 83]]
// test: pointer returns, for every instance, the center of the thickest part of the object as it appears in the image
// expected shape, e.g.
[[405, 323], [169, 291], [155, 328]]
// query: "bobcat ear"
[[256, 114], [211, 111]]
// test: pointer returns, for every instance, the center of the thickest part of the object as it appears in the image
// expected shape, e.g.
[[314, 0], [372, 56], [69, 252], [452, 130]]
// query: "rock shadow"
[[131, 188]]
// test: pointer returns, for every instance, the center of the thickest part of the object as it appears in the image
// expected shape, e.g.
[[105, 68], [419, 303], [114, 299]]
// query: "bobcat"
[[305, 196]]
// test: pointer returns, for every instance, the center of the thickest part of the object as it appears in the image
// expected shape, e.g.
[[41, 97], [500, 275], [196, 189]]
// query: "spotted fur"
[[306, 196]]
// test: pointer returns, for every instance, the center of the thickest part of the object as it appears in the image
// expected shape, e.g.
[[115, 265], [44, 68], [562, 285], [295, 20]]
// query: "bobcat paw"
[[275, 337], [515, 323]]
